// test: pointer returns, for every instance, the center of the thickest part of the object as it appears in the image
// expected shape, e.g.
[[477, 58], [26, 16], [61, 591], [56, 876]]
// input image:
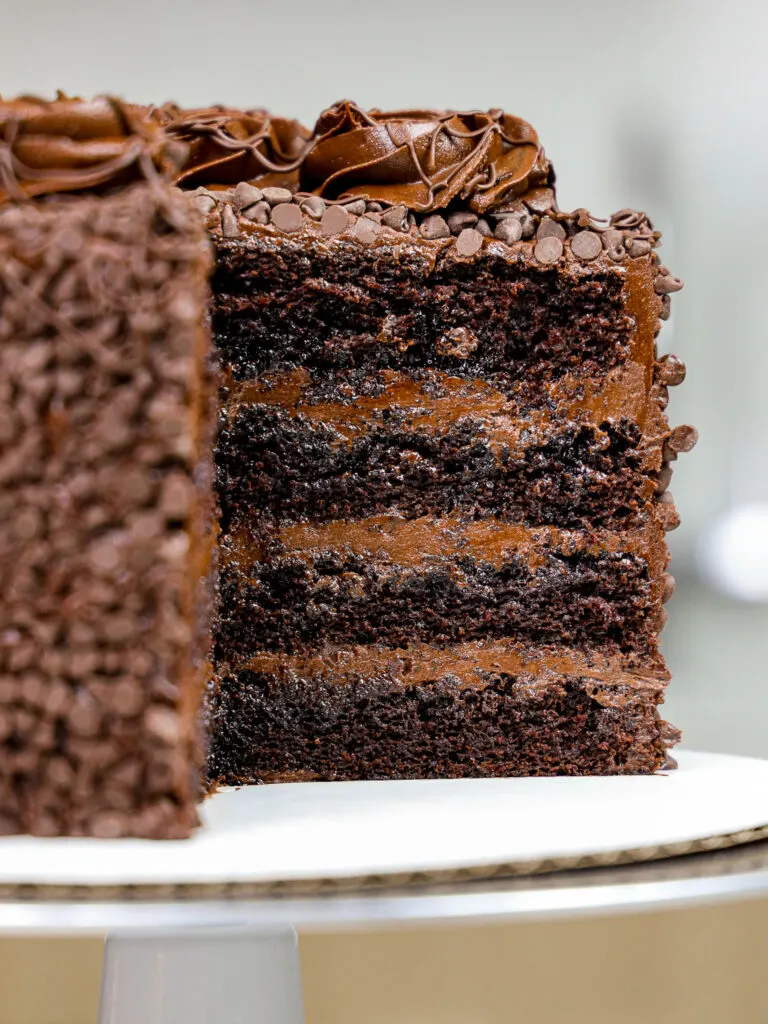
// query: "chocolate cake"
[[105, 477], [439, 480], [443, 454]]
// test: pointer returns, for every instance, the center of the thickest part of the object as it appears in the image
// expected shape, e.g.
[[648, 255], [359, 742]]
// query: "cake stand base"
[[226, 975]]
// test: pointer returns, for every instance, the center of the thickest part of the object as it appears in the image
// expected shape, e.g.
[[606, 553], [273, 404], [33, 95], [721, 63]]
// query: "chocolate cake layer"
[[388, 580], [282, 301], [105, 511], [470, 710], [322, 446]]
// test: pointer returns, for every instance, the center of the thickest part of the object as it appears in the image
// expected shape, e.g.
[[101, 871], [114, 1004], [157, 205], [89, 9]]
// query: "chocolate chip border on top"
[[550, 232]]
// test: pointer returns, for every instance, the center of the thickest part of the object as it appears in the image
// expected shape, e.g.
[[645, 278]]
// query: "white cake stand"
[[204, 929]]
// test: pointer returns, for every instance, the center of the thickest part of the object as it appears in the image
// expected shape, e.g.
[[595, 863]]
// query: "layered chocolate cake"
[[105, 507], [441, 463], [443, 454]]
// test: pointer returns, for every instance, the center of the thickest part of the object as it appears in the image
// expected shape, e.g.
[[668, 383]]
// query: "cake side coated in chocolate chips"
[[105, 476]]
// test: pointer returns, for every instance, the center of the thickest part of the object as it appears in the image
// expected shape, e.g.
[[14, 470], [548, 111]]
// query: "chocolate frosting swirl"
[[424, 159], [227, 146], [71, 145]]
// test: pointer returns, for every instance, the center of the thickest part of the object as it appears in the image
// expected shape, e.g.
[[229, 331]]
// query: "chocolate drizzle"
[[74, 145], [424, 159], [227, 146]]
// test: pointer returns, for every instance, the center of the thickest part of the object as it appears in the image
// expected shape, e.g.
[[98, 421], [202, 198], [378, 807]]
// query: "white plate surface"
[[350, 829]]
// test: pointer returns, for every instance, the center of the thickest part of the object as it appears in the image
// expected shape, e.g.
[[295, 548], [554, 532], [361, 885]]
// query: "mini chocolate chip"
[[275, 196], [373, 215], [246, 195], [668, 516], [373, 208], [258, 213], [670, 370], [334, 220], [682, 439], [204, 203], [586, 245], [637, 247], [529, 225], [669, 587], [539, 199], [469, 242], [108, 825], [548, 250], [163, 724], [612, 238], [313, 206], [434, 227], [396, 217], [666, 307], [356, 207], [664, 479], [516, 208], [229, 226], [365, 230], [509, 230], [666, 284], [484, 228], [461, 219], [287, 217], [662, 396], [549, 228]]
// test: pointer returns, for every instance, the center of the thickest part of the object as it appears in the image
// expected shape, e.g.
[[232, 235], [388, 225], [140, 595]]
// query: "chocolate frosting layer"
[[73, 145], [424, 159], [227, 146]]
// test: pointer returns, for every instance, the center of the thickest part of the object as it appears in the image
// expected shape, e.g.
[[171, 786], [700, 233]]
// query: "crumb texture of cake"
[[105, 477], [463, 711], [443, 460]]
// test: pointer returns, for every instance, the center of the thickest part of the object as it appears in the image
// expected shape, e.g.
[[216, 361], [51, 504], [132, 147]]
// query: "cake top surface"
[[75, 145]]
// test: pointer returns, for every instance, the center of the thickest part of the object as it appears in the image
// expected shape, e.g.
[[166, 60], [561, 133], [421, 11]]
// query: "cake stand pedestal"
[[204, 930]]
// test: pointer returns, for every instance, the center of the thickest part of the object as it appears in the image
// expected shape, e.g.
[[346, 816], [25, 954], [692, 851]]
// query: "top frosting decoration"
[[72, 145], [227, 146], [424, 159]]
